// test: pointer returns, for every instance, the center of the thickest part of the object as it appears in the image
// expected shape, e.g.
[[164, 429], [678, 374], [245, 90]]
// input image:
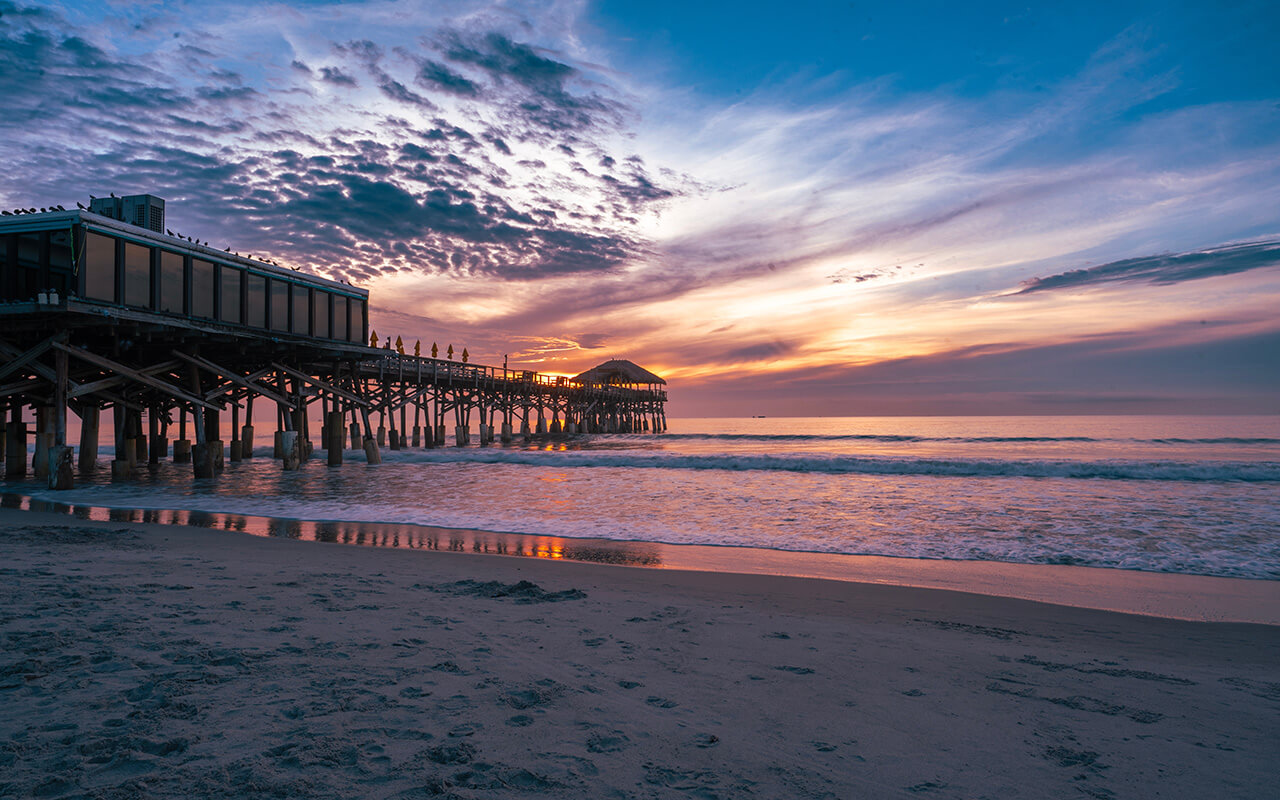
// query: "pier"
[[104, 308]]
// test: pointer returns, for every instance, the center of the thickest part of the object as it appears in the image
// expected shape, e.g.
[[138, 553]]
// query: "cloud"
[[1166, 269], [1180, 368], [336, 76], [434, 75], [376, 180]]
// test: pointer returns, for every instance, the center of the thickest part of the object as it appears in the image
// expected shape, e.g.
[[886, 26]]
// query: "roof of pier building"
[[618, 372]]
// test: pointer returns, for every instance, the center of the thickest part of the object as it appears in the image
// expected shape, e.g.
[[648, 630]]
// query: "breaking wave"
[[1129, 470]]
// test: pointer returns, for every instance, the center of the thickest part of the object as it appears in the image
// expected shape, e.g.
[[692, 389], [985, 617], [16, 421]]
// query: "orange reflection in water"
[[368, 534], [543, 548]]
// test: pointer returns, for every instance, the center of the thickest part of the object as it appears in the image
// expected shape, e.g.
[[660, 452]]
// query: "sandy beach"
[[167, 661]]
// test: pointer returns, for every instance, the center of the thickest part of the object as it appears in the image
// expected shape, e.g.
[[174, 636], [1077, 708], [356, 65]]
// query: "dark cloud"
[[434, 75], [552, 95], [336, 76], [1166, 269], [498, 144], [396, 90], [762, 351]]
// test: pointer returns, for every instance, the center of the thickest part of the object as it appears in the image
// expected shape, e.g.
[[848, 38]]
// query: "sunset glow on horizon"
[[835, 208]]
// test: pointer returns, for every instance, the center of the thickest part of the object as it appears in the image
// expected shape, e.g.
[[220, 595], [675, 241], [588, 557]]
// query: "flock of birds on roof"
[[18, 211], [81, 206]]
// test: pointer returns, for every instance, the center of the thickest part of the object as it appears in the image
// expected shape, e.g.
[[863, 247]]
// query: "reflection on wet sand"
[[368, 534]]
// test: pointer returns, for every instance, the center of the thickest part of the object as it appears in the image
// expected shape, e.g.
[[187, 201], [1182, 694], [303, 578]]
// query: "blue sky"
[[821, 207]]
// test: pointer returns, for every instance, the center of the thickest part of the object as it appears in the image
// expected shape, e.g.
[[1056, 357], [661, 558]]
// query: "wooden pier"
[[179, 340]]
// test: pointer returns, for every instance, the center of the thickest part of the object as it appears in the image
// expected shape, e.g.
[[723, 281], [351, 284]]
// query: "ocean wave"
[[890, 437], [1231, 471]]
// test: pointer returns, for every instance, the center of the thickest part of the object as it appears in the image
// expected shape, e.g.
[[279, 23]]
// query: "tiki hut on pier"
[[619, 372], [645, 410]]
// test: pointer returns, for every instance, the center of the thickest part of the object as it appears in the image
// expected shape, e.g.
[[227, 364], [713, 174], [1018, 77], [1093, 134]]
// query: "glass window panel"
[[255, 301], [172, 281], [61, 271], [100, 267], [137, 275], [28, 275], [301, 310], [231, 294], [202, 288], [320, 313], [279, 305], [29, 250], [359, 319], [339, 317]]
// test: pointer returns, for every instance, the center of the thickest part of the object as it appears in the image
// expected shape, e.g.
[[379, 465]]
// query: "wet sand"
[[171, 661]]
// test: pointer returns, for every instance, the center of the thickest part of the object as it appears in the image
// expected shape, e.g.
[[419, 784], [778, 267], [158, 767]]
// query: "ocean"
[[1191, 494]]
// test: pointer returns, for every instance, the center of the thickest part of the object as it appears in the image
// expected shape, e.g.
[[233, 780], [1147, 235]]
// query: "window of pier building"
[[100, 267], [203, 286], [137, 275], [173, 282], [359, 320], [279, 305], [301, 309], [255, 296], [339, 316], [26, 278], [230, 279], [320, 312], [61, 267]]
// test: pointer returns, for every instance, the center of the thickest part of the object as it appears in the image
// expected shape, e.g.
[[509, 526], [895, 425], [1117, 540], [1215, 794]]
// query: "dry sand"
[[165, 661]]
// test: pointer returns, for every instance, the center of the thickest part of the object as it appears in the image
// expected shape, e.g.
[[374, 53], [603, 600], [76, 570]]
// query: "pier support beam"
[[335, 434], [157, 444], [370, 444], [121, 466], [237, 446], [201, 457], [89, 416], [213, 438], [61, 475], [182, 446], [44, 438], [246, 433], [290, 444]]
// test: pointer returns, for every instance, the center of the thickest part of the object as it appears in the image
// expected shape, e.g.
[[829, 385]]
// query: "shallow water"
[[1196, 495]]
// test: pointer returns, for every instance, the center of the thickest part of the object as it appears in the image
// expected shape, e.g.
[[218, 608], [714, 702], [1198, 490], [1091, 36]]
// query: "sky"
[[810, 208]]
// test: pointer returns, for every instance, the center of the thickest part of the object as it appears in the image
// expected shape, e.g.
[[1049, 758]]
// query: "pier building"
[[104, 307]]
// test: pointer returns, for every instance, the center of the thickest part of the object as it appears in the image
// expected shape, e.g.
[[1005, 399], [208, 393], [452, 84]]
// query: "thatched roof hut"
[[618, 372]]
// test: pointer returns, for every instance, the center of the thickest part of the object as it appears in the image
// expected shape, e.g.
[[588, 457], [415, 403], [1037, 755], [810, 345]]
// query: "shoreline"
[[1165, 595]]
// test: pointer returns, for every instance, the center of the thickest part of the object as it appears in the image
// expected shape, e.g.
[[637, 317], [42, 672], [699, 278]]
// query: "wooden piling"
[[89, 417], [237, 447]]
